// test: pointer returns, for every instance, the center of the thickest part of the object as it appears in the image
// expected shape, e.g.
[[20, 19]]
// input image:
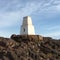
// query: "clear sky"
[[45, 15]]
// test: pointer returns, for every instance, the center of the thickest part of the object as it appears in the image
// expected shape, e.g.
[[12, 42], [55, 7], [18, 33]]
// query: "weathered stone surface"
[[29, 47]]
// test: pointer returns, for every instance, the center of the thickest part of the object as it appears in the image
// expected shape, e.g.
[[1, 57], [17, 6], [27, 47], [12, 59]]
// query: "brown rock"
[[29, 47]]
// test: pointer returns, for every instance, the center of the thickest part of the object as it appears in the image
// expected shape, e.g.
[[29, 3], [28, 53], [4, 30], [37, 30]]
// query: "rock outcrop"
[[29, 47]]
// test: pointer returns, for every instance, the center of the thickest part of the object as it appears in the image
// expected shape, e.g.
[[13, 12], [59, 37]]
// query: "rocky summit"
[[29, 47]]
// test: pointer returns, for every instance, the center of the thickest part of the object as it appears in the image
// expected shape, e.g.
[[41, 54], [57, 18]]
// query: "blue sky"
[[45, 15]]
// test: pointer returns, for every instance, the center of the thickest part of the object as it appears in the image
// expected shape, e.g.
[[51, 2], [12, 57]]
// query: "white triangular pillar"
[[27, 27]]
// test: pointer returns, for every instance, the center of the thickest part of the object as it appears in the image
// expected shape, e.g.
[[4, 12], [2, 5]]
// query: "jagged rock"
[[29, 47]]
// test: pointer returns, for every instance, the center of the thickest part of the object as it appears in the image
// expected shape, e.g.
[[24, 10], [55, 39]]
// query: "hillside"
[[32, 47]]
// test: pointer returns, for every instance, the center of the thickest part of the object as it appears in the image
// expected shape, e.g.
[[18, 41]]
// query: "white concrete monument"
[[27, 27]]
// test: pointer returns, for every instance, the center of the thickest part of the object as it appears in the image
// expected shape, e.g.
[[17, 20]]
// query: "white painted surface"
[[27, 27]]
